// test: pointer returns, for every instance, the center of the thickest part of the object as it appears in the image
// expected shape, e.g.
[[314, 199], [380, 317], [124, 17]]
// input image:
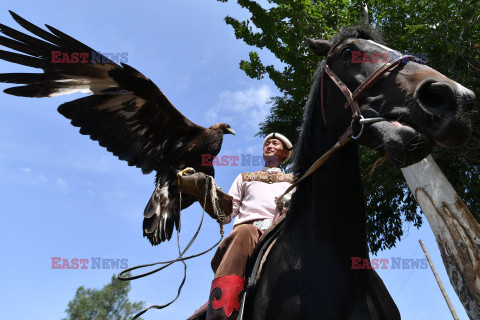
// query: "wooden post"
[[445, 295], [365, 14], [456, 231]]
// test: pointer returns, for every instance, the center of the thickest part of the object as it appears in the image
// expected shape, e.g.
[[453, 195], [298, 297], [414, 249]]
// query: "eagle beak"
[[231, 131]]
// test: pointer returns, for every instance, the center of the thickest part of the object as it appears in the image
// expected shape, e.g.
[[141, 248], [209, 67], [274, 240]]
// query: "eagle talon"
[[185, 172]]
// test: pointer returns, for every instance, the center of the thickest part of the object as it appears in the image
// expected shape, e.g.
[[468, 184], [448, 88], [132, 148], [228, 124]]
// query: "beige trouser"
[[232, 254]]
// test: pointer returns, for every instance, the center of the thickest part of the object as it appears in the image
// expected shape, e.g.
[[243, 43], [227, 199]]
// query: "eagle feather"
[[126, 113]]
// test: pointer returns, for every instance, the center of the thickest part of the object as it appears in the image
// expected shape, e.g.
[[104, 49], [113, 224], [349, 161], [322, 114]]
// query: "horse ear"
[[318, 46]]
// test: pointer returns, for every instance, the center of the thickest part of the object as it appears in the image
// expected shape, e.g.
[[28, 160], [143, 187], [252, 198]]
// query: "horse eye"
[[347, 54]]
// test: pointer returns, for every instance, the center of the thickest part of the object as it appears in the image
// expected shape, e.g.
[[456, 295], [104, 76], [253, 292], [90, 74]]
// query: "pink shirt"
[[255, 200]]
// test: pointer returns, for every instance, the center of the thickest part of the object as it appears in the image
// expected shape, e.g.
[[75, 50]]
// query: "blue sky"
[[62, 195]]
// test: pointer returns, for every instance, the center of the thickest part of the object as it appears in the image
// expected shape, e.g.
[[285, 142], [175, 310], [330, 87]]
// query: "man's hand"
[[284, 203]]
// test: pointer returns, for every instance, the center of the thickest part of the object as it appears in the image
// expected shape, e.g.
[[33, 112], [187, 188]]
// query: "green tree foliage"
[[446, 32], [109, 303]]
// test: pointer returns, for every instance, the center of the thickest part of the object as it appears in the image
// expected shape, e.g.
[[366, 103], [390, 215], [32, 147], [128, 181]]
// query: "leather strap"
[[352, 98], [351, 101], [322, 99], [380, 71], [344, 138]]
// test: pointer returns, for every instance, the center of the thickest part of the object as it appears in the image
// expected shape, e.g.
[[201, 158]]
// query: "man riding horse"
[[254, 207]]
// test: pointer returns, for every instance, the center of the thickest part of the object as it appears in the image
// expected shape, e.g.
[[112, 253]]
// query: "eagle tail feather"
[[161, 214]]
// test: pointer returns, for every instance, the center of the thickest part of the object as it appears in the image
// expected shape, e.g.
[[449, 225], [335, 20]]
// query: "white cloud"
[[242, 109], [26, 170], [33, 179], [253, 148], [62, 185]]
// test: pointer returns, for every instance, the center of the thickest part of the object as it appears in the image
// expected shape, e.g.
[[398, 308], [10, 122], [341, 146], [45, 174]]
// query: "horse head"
[[419, 105]]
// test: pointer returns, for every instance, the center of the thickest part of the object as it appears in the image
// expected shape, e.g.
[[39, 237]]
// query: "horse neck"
[[329, 206]]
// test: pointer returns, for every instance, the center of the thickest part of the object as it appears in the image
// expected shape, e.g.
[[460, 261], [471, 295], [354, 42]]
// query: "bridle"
[[352, 103], [353, 97]]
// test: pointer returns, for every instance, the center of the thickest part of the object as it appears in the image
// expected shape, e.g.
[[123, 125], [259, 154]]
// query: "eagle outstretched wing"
[[126, 113]]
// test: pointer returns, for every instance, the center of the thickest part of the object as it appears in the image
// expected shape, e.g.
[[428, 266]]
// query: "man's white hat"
[[281, 137]]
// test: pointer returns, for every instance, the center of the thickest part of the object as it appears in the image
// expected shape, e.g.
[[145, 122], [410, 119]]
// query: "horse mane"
[[302, 158]]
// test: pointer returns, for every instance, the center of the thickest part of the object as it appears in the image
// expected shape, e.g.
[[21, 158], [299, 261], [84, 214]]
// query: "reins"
[[221, 218], [353, 104], [347, 136]]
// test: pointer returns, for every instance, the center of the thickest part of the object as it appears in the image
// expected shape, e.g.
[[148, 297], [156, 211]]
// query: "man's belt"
[[263, 224]]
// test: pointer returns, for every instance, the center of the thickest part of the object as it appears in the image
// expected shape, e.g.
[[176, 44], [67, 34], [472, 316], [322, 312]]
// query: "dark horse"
[[308, 273]]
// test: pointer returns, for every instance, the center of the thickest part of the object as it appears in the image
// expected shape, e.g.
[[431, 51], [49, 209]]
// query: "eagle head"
[[223, 127]]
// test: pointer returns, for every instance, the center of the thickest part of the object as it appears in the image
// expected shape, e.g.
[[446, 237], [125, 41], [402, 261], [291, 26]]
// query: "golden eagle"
[[126, 113]]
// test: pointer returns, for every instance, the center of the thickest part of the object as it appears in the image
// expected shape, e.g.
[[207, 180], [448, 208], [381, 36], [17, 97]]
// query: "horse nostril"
[[434, 94]]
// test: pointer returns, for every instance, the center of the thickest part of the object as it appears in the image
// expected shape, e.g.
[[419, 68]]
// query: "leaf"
[[444, 33], [109, 303]]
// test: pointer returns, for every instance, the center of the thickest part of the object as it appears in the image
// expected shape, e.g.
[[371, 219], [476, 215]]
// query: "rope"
[[372, 168], [221, 217], [343, 140], [215, 205], [317, 164]]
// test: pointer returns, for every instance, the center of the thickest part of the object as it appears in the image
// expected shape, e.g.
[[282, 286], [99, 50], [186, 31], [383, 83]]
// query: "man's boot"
[[225, 297]]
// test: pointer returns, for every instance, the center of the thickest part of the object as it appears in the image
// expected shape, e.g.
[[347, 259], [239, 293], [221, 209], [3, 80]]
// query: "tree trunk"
[[456, 231]]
